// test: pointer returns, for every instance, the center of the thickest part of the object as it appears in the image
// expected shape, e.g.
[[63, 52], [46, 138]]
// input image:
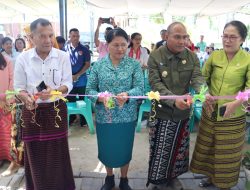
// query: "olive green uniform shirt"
[[225, 77], [173, 74]]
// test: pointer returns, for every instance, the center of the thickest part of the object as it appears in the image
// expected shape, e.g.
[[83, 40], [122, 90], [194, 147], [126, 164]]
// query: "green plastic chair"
[[197, 110], [196, 115], [144, 107], [86, 111], [146, 104]]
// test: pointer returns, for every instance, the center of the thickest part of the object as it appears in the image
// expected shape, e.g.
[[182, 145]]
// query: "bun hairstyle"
[[115, 33]]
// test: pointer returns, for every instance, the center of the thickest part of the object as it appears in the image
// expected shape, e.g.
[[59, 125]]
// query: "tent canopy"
[[172, 7], [12, 8]]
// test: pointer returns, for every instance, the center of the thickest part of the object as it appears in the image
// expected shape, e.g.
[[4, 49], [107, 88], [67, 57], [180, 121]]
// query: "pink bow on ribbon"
[[243, 95]]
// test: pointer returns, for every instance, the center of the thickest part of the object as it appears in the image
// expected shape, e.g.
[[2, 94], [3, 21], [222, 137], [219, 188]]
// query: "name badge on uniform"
[[184, 61]]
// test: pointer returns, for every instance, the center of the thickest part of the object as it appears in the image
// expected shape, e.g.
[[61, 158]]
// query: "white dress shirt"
[[31, 70]]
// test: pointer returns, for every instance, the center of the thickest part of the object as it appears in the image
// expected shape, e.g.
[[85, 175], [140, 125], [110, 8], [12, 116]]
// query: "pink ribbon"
[[243, 95]]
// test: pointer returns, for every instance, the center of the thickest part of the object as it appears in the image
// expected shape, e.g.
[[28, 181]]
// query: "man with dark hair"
[[163, 39], [102, 47], [60, 41], [172, 70], [45, 132], [80, 62]]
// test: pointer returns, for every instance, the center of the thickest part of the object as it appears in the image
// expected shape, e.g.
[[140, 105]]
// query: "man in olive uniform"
[[172, 70]]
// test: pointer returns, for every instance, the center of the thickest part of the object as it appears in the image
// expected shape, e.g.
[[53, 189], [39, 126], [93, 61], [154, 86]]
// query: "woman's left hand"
[[231, 107], [122, 98]]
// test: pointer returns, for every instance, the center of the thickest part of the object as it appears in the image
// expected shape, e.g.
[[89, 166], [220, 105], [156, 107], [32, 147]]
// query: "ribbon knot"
[[154, 95], [202, 95], [55, 94], [108, 100]]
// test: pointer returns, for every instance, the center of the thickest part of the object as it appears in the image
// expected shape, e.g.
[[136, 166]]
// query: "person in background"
[[7, 49], [222, 128], [136, 51], [61, 42], [20, 45], [211, 45], [1, 39], [246, 49], [87, 46], [27, 38], [163, 39], [152, 47], [121, 76], [202, 45], [102, 47], [80, 62], [6, 83], [173, 69], [40, 70], [190, 44], [201, 55], [209, 51]]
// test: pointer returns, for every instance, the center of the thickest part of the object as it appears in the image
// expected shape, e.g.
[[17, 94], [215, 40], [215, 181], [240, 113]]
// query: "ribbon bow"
[[243, 95], [108, 100], [154, 95], [57, 95], [202, 95]]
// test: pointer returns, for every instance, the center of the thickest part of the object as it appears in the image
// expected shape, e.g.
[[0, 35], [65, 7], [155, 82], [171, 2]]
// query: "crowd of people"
[[35, 133]]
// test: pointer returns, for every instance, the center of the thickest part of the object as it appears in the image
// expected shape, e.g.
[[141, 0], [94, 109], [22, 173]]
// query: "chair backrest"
[[147, 87], [88, 102]]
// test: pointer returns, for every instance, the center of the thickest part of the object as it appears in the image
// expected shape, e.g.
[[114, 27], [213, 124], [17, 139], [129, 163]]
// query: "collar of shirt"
[[72, 47], [52, 53], [110, 65], [170, 55]]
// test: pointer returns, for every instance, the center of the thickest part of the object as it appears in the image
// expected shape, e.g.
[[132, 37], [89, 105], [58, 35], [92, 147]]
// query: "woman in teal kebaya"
[[122, 76]]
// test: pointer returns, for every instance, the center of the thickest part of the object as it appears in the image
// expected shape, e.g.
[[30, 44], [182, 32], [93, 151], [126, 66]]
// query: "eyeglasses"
[[230, 38]]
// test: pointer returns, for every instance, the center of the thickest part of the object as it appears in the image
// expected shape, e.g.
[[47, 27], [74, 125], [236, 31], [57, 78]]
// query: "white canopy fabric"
[[11, 8], [172, 7]]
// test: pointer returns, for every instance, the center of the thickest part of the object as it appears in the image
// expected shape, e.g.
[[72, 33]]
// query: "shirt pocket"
[[185, 74], [55, 76]]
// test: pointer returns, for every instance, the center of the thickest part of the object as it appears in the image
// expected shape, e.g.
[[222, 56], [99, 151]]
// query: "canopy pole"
[[63, 18]]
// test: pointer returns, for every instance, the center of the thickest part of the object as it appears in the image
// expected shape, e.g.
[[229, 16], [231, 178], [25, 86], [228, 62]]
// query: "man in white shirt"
[[47, 161]]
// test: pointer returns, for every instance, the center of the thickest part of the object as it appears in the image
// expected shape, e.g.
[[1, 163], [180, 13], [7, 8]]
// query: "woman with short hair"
[[122, 76]]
